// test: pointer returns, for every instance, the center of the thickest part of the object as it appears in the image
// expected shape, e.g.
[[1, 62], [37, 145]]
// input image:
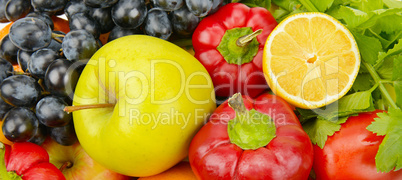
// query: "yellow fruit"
[[158, 97], [310, 60]]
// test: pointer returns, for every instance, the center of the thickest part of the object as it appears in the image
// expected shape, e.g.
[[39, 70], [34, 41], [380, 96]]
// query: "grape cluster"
[[159, 18], [32, 102]]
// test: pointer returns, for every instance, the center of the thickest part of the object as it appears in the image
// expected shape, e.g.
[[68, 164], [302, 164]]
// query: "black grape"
[[3, 18], [17, 9], [6, 69], [40, 60], [62, 76], [4, 108], [20, 90], [184, 22], [48, 5], [43, 16], [118, 32], [100, 3], [216, 4], [64, 135], [75, 6], [84, 21], [168, 5], [40, 135], [23, 59], [157, 24], [129, 13], [103, 17], [199, 8], [56, 45], [50, 112], [30, 34], [8, 50], [79, 45], [20, 124]]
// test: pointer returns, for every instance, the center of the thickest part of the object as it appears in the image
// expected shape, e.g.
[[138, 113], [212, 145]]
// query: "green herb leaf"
[[348, 105], [390, 23], [363, 82], [385, 70], [367, 5], [289, 5], [319, 129], [397, 78], [352, 17], [398, 92], [279, 13], [397, 49], [393, 3], [322, 5], [389, 124], [257, 3], [369, 47], [328, 119], [378, 15]]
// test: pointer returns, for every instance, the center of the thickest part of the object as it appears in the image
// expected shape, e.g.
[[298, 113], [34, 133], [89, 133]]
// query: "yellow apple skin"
[[162, 97]]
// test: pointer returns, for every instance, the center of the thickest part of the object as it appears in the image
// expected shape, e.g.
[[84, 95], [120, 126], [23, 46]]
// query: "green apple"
[[76, 164], [142, 100]]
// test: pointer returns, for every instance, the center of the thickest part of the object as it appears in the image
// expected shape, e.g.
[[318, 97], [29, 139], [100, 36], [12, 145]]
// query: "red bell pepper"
[[28, 161], [262, 139], [350, 152], [234, 63]]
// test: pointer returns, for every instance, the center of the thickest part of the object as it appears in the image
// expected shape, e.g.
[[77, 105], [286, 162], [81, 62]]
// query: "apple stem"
[[67, 164], [88, 106]]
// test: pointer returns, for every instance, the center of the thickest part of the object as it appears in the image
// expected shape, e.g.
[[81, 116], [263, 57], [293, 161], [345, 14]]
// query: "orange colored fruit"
[[3, 139], [5, 30], [60, 24], [181, 171], [310, 60]]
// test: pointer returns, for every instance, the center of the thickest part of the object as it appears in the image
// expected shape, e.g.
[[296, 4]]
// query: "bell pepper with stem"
[[25, 160], [252, 139], [230, 43]]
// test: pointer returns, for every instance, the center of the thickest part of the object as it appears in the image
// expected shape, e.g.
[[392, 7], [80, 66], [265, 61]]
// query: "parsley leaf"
[[390, 125], [321, 5], [257, 3], [328, 120], [369, 47], [367, 6], [353, 17], [397, 78], [393, 3], [319, 129]]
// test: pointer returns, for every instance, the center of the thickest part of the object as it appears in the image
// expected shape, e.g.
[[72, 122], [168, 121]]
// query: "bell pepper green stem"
[[242, 41], [237, 104], [249, 129]]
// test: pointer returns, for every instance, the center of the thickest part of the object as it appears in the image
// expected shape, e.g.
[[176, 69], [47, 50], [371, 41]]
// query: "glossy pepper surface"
[[269, 144], [27, 161], [233, 59]]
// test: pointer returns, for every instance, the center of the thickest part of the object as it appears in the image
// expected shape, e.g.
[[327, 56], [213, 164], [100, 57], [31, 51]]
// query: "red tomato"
[[350, 152]]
